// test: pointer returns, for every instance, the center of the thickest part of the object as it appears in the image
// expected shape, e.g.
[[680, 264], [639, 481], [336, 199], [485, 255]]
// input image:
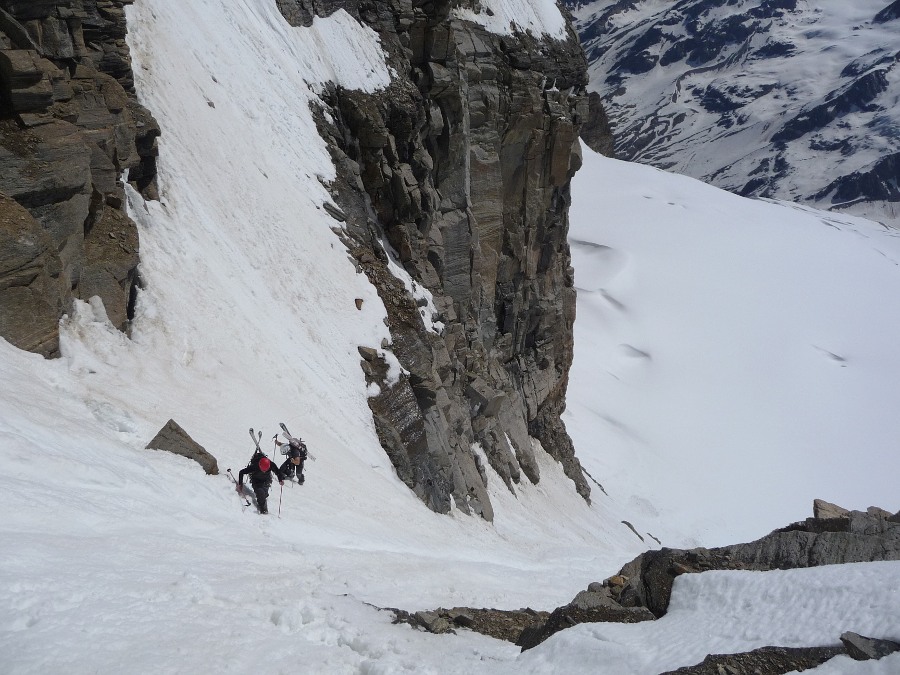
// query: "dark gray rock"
[[864, 648], [70, 126], [501, 624], [172, 438], [463, 166], [855, 537], [889, 13], [31, 297], [433, 623], [596, 131], [763, 661], [587, 608], [461, 618]]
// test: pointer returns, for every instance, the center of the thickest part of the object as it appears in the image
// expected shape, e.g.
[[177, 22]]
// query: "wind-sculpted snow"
[[773, 98]]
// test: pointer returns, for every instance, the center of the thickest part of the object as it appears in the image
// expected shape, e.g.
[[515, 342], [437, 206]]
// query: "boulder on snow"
[[433, 622], [172, 438], [864, 648]]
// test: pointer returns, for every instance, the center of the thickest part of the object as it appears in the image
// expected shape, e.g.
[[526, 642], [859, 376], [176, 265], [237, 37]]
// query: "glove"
[[238, 487], [281, 482]]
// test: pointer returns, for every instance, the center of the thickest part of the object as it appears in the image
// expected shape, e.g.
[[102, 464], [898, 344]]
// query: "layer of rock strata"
[[70, 127], [461, 172]]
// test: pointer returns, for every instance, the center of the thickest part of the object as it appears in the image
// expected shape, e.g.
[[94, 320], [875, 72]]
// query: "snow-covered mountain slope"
[[735, 358], [118, 558], [775, 98]]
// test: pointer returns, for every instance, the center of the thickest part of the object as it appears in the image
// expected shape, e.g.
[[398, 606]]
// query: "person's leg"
[[262, 495]]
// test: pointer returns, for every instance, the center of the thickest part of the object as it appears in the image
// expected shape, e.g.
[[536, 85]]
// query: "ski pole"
[[280, 496]]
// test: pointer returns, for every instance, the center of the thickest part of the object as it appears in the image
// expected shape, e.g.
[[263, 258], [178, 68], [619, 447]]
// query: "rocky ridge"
[[458, 175], [70, 127], [642, 589]]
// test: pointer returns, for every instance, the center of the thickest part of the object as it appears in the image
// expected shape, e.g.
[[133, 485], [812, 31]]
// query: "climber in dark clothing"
[[296, 456], [260, 470]]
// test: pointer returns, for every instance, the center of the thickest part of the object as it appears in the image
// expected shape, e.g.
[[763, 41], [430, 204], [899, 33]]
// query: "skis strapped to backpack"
[[256, 440], [291, 437]]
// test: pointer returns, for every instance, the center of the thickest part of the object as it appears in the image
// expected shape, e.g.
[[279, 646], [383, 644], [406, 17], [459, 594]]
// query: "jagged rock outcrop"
[[779, 660], [596, 132], [862, 648], [172, 438], [502, 624], [763, 661], [461, 171], [590, 606], [641, 592], [70, 126], [853, 537], [644, 586]]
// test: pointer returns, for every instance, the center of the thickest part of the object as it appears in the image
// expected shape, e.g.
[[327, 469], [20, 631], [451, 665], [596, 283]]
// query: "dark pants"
[[262, 494], [287, 469]]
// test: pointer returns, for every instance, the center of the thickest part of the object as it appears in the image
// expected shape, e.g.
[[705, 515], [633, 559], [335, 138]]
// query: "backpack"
[[292, 450], [299, 452], [254, 461]]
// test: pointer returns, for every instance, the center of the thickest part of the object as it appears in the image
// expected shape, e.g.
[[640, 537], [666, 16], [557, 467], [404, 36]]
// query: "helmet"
[[264, 463]]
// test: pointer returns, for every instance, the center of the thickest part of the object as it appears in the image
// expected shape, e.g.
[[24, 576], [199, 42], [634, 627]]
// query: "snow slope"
[[117, 558], [735, 359]]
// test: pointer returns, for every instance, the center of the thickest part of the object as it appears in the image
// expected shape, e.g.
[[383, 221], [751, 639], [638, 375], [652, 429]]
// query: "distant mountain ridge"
[[766, 98]]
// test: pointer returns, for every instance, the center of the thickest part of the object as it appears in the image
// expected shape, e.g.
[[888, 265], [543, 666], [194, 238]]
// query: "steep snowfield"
[[119, 559], [735, 359]]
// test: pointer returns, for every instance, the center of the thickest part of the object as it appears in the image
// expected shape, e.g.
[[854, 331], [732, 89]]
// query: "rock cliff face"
[[454, 189], [70, 127], [458, 177]]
